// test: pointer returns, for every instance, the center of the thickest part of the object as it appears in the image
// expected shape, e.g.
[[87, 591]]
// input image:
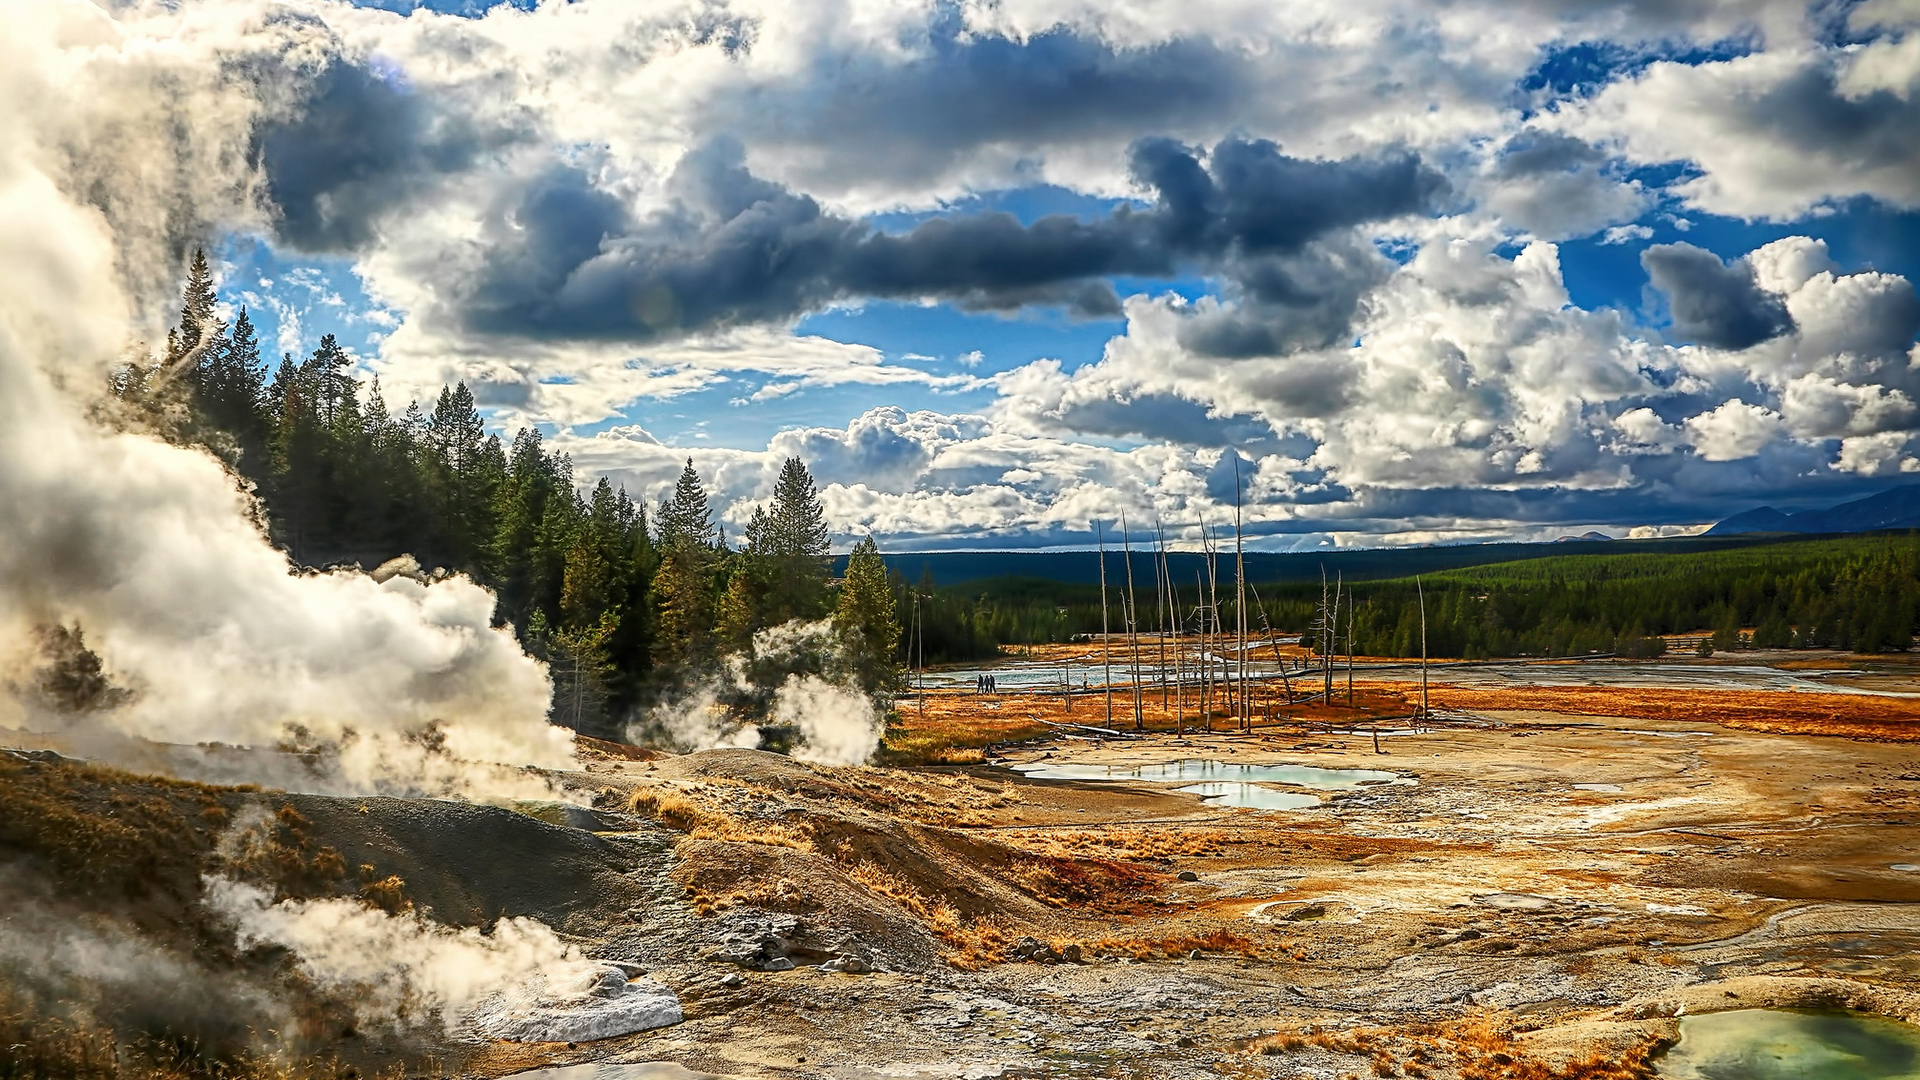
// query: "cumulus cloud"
[[1557, 187], [1775, 133], [1734, 430]]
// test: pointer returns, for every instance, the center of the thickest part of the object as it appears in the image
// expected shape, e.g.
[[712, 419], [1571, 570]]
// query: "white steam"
[[517, 981], [837, 724], [119, 134]]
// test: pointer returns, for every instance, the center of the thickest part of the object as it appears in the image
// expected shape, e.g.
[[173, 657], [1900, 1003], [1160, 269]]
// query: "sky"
[[1397, 272]]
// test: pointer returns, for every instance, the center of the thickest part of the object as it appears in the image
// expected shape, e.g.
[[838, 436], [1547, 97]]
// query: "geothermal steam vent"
[[611, 1003]]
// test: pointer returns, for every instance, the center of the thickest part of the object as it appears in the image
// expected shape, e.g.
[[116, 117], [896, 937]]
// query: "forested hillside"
[[627, 606], [1849, 593]]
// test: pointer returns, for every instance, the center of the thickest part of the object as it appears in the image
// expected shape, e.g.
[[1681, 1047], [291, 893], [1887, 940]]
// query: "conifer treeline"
[[624, 608], [1860, 593]]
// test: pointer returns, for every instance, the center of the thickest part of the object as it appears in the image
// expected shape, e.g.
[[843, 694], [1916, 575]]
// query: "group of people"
[[983, 684]]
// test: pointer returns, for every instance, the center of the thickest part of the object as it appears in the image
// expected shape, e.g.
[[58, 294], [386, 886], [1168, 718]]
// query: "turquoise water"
[[1195, 769], [1772, 1044]]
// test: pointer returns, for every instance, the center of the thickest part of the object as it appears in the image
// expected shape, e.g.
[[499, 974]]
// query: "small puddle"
[[1251, 796], [1774, 1044], [1195, 769]]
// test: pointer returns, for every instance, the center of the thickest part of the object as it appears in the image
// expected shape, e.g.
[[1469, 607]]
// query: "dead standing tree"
[[1245, 701], [1173, 620], [1106, 655], [1133, 623]]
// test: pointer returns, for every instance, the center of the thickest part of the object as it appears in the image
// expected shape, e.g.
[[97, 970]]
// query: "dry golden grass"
[[104, 831], [280, 852], [1171, 945], [971, 943], [1852, 716], [1482, 1046], [1120, 842], [926, 797], [682, 814]]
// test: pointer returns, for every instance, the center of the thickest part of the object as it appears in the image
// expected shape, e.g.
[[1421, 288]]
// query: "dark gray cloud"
[[1250, 199], [1165, 418], [359, 145], [964, 91], [1533, 152], [1712, 302], [1811, 113], [1288, 302], [565, 260]]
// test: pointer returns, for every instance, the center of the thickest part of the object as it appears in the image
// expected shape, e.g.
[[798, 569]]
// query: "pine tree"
[[682, 598], [530, 538], [197, 305], [736, 619], [795, 546], [238, 399], [682, 593], [685, 519], [867, 619]]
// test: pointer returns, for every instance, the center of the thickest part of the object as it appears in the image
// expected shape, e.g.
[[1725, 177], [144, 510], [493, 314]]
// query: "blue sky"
[[997, 272]]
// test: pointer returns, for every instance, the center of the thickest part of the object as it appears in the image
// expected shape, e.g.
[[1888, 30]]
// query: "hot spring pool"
[[1222, 784], [1252, 796], [1196, 769], [1775, 1044]]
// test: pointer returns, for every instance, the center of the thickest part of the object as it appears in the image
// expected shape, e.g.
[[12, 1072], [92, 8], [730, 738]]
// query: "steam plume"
[[153, 547], [520, 981], [835, 723]]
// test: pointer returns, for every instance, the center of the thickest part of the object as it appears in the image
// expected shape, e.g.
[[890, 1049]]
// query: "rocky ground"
[[1542, 894], [1693, 869]]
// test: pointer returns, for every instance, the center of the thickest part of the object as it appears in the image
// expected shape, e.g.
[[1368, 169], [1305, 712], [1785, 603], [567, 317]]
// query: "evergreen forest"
[[629, 606], [1857, 592]]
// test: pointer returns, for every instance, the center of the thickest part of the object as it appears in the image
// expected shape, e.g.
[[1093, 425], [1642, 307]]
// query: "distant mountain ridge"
[[1895, 508]]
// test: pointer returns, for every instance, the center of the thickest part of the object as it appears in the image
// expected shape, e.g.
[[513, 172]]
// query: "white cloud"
[[1877, 455], [1626, 234], [1733, 431], [1777, 133]]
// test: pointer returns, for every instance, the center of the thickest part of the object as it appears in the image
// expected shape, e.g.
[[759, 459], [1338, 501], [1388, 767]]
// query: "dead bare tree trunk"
[[1240, 604], [1423, 647], [1279, 661], [1133, 622], [1353, 609], [1213, 613], [1206, 665], [1106, 655], [1161, 608], [1179, 672]]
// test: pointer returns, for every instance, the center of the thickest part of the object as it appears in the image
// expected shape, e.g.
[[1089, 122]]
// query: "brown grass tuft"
[[1480, 1047], [680, 813]]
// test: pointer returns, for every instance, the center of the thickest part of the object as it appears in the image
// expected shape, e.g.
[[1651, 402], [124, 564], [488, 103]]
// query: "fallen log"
[[1108, 732]]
